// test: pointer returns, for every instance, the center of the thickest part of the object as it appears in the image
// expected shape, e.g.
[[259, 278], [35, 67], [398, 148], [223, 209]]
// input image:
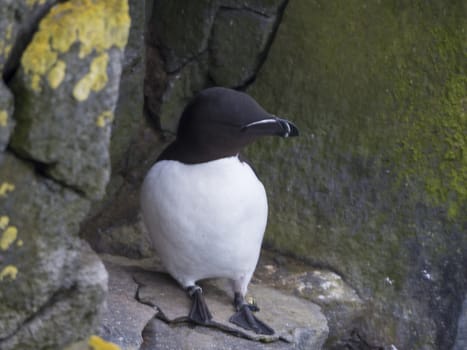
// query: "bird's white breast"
[[205, 220]]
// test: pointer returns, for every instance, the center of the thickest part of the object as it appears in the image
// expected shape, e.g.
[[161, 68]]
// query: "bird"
[[202, 203]]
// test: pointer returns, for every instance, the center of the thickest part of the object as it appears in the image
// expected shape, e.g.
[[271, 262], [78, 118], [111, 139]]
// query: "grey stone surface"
[[286, 314], [339, 302], [161, 336], [17, 19], [299, 324], [71, 312], [124, 317], [48, 277], [461, 337]]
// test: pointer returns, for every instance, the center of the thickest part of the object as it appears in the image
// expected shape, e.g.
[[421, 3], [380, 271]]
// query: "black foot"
[[244, 317], [199, 312]]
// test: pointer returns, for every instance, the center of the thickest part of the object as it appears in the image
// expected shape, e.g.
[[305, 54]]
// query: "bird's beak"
[[271, 126]]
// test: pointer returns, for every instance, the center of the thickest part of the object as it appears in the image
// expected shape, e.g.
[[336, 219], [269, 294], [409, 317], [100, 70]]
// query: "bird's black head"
[[219, 122]]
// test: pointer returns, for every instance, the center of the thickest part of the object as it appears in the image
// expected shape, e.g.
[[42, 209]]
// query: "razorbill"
[[204, 207]]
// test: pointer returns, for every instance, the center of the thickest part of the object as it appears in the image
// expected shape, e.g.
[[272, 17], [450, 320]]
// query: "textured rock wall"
[[61, 65], [374, 188]]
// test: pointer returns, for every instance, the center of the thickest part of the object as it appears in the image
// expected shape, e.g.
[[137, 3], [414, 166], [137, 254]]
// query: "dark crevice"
[[355, 341], [263, 57], [190, 59], [185, 321], [40, 169], [244, 8], [24, 37]]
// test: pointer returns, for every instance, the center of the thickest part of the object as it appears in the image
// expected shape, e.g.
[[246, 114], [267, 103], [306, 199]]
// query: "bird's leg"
[[199, 312], [244, 317]]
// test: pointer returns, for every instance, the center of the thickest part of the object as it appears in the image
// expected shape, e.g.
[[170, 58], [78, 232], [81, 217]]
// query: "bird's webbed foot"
[[245, 318], [199, 312]]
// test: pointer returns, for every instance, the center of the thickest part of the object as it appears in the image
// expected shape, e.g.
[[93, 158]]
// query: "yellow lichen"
[[4, 220], [19, 243], [95, 25], [3, 118], [31, 3], [6, 187], [104, 119], [95, 80], [6, 42], [97, 343], [9, 271], [56, 74], [8, 237]]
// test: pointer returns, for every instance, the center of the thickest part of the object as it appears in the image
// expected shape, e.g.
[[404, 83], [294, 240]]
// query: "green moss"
[[375, 185], [433, 120]]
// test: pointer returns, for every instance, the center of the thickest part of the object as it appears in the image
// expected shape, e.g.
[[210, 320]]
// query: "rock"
[[237, 45], [7, 123], [287, 315], [338, 301], [93, 343], [369, 191], [205, 43], [461, 337], [17, 20], [48, 277], [113, 226], [129, 110], [131, 240], [124, 317], [181, 29], [52, 285], [160, 335], [298, 323], [78, 71], [181, 88]]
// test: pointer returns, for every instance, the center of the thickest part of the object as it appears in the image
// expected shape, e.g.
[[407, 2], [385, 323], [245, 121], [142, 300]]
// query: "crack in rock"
[[295, 320]]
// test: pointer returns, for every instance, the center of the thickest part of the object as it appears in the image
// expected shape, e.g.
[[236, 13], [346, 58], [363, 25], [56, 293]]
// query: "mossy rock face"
[[375, 186], [51, 284]]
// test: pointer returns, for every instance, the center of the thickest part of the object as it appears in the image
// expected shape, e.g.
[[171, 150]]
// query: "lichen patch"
[[8, 271], [97, 343], [8, 237], [105, 118], [6, 187], [3, 118], [94, 80], [96, 26]]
